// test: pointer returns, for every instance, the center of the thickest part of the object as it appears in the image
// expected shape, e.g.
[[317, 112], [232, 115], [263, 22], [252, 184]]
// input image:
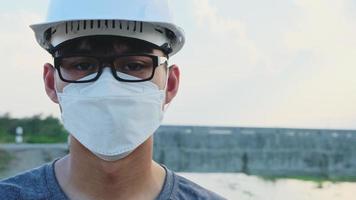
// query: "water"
[[243, 187]]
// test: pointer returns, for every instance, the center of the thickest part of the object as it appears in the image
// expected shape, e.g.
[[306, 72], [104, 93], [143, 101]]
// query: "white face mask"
[[109, 117]]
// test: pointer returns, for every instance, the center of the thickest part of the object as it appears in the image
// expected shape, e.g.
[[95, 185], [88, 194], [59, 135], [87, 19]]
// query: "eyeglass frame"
[[158, 61]]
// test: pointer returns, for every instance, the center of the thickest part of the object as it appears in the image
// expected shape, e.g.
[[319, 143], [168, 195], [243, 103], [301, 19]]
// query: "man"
[[112, 82]]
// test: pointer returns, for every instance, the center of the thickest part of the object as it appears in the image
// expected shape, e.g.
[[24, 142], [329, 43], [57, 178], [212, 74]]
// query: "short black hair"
[[103, 44]]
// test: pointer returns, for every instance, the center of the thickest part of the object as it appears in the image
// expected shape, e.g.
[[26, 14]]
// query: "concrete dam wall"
[[259, 151]]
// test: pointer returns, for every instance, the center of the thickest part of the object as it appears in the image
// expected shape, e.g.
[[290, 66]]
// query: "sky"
[[276, 63]]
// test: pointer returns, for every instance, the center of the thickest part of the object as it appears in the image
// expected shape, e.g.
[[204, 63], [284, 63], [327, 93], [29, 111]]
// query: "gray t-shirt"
[[41, 184]]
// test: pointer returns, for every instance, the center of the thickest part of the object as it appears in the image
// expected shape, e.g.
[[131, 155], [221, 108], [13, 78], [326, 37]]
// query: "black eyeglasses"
[[126, 68]]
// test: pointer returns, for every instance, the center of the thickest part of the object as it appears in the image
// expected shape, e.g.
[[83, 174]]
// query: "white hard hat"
[[148, 20]]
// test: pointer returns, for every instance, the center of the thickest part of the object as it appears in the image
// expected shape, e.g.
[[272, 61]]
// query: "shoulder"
[[186, 189], [27, 185], [177, 187]]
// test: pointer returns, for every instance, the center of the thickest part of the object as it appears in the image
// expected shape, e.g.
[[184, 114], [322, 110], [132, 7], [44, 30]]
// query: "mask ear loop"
[[165, 106], [55, 88], [55, 82]]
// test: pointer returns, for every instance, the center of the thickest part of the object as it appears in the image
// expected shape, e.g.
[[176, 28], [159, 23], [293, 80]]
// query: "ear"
[[48, 78], [173, 83]]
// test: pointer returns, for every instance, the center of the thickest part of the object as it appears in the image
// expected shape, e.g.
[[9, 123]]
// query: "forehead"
[[105, 45]]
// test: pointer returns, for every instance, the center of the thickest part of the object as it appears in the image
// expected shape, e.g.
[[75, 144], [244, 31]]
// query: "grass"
[[40, 138], [34, 138], [61, 138], [316, 179], [5, 158], [6, 138]]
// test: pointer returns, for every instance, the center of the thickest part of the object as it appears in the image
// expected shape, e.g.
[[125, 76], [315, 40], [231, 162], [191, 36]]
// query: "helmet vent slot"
[[74, 27], [113, 23], [91, 24], [71, 26], [99, 23], [135, 26]]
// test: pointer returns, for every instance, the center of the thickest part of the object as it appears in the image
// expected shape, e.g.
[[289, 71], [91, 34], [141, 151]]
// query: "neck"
[[133, 177]]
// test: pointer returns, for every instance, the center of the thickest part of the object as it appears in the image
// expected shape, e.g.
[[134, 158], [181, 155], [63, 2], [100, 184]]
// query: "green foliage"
[[4, 160], [37, 129], [60, 138], [6, 138], [316, 179]]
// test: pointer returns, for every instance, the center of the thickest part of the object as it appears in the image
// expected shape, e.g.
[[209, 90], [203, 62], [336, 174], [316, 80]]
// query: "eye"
[[84, 66], [133, 67], [79, 64]]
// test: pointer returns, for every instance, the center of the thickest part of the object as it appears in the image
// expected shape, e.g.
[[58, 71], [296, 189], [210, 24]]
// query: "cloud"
[[326, 96], [286, 65], [232, 31]]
